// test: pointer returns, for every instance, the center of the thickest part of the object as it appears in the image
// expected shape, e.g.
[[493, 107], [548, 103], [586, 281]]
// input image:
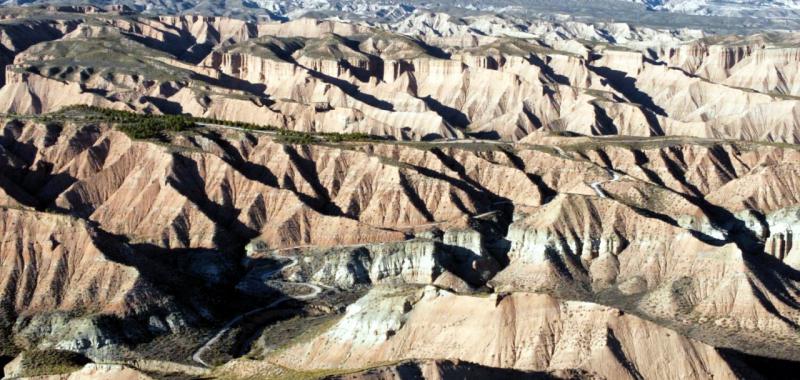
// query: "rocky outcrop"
[[41, 248], [458, 261], [97, 372], [413, 263], [758, 63], [17, 36], [22, 94], [108, 371], [647, 253], [624, 223], [329, 76], [65, 288], [520, 331], [782, 243], [610, 257], [213, 30], [447, 369]]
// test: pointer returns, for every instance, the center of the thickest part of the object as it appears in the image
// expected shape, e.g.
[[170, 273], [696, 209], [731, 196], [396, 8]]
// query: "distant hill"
[[736, 8], [725, 17]]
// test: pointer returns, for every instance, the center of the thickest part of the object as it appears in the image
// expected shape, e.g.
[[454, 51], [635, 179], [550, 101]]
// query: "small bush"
[[50, 362]]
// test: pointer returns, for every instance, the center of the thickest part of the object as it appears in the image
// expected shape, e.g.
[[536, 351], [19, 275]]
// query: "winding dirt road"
[[315, 289], [315, 292], [596, 185]]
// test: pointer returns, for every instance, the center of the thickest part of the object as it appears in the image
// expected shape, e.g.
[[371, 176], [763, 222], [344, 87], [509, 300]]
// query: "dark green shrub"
[[50, 362]]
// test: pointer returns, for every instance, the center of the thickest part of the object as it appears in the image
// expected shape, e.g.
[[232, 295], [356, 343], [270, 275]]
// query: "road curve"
[[197, 357], [315, 290], [596, 184]]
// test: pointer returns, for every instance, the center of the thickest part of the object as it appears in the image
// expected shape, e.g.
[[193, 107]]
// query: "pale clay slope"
[[44, 248], [89, 372], [521, 331], [605, 247], [700, 236], [384, 84]]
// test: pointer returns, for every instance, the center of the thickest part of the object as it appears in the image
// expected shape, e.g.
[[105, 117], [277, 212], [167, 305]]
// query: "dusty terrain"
[[353, 201], [429, 76]]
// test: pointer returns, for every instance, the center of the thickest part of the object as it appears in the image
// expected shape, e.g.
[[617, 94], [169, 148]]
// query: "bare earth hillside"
[[438, 197]]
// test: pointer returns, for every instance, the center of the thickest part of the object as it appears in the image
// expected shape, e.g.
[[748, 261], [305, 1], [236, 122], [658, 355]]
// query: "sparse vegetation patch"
[[51, 362]]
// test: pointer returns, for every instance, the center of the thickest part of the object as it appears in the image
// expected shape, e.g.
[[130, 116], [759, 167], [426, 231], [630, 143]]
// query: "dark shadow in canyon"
[[603, 124], [233, 157], [548, 71], [186, 179], [545, 191], [621, 82], [450, 115], [36, 183], [754, 367], [307, 169]]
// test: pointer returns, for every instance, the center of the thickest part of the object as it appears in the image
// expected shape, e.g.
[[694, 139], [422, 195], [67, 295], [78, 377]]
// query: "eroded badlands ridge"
[[688, 245], [434, 198], [429, 76]]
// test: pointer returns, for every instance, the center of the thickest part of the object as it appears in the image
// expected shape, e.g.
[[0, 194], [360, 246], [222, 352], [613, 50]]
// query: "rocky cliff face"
[[42, 248], [331, 76], [17, 36], [699, 238], [67, 286], [757, 63], [485, 226], [693, 235], [525, 332]]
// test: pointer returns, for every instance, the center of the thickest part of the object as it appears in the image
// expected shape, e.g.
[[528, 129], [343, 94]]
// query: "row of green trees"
[[147, 126], [287, 136], [136, 125], [237, 124]]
